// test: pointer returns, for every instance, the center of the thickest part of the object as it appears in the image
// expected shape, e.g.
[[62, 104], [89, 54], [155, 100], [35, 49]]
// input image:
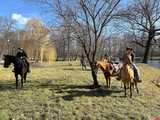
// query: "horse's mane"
[[9, 56], [13, 58]]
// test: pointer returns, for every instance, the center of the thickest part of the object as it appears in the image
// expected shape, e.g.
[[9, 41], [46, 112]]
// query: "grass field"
[[60, 92]]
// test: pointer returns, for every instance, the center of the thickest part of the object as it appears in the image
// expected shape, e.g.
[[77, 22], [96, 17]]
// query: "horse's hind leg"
[[85, 67], [125, 89], [121, 84], [25, 76], [106, 83], [82, 67], [16, 76], [22, 76]]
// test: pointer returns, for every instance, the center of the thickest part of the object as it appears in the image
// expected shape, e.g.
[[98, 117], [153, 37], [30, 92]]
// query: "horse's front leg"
[[16, 76], [125, 94], [25, 77], [22, 76], [106, 82], [106, 77], [109, 79], [131, 90]]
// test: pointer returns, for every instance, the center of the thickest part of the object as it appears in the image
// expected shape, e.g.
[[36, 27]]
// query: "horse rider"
[[128, 58], [23, 55], [135, 68]]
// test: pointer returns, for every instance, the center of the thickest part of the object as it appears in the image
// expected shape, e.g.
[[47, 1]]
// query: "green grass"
[[59, 92]]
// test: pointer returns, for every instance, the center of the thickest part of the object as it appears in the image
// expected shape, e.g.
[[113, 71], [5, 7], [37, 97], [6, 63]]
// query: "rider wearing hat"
[[23, 55], [128, 58]]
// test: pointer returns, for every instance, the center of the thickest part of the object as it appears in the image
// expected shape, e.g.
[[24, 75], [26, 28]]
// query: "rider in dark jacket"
[[23, 55]]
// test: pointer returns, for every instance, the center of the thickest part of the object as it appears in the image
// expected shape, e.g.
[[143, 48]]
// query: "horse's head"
[[7, 61]]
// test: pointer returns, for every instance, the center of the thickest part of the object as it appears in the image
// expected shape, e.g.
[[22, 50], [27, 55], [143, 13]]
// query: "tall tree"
[[37, 33], [7, 35], [89, 21], [144, 16]]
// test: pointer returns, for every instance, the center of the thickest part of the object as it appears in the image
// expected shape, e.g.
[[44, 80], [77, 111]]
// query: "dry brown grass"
[[60, 92]]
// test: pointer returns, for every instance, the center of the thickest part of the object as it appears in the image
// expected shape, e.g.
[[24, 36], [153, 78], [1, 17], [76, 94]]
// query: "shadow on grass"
[[78, 69], [99, 92], [72, 91], [7, 86], [65, 91]]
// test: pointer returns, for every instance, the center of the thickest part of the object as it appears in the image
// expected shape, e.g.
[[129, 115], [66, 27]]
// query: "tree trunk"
[[94, 76], [42, 52], [147, 48], [146, 54]]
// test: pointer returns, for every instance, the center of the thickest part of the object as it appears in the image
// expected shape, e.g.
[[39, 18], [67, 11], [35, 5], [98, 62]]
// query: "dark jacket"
[[132, 57], [22, 54]]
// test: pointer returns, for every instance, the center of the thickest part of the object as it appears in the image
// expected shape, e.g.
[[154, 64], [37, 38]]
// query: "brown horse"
[[105, 67], [127, 76]]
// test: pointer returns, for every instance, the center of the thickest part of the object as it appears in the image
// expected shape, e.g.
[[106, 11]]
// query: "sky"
[[20, 10], [23, 10]]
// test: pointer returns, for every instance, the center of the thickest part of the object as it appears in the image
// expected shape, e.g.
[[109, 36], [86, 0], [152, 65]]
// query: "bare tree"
[[7, 35], [143, 17], [90, 19]]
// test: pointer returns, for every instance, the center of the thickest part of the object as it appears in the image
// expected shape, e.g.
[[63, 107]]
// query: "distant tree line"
[[34, 38]]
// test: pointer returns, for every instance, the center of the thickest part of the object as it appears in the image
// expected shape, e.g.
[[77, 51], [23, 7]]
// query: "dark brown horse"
[[20, 67]]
